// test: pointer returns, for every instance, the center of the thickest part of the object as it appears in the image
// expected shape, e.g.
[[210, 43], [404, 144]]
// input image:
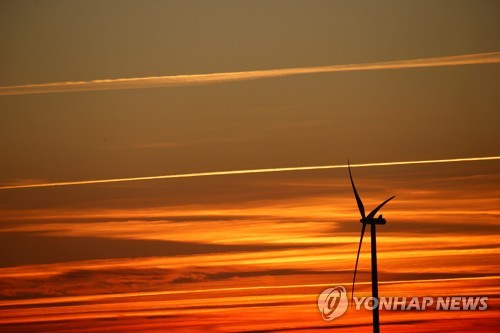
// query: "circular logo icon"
[[332, 303]]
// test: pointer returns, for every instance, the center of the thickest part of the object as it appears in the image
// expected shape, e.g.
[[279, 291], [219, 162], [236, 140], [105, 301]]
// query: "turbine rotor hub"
[[378, 220]]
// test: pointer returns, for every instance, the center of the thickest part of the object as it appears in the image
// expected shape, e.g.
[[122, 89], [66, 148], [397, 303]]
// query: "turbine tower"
[[370, 219]]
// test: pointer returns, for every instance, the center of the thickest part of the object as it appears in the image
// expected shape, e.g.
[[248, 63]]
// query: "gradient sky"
[[250, 252]]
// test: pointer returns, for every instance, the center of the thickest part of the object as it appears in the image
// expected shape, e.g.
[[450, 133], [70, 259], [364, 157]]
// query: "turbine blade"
[[357, 259], [358, 199], [373, 212]]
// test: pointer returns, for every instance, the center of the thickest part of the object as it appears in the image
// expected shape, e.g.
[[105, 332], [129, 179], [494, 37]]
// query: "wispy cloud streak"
[[212, 78], [249, 171]]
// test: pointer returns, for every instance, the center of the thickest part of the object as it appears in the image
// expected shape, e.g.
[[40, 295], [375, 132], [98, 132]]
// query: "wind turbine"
[[370, 219]]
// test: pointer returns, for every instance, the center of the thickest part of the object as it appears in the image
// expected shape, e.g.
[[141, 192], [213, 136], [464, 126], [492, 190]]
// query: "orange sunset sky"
[[107, 90]]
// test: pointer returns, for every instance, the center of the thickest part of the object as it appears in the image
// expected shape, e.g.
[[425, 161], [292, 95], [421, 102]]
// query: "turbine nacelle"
[[378, 220]]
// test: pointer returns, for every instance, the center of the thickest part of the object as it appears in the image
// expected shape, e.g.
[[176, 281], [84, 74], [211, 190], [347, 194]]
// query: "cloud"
[[213, 78], [173, 144], [42, 249], [437, 242]]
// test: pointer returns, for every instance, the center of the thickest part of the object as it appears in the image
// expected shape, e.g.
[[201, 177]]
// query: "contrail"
[[249, 171], [200, 79], [104, 297]]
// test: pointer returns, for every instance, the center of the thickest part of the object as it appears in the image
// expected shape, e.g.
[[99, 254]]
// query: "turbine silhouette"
[[370, 219]]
